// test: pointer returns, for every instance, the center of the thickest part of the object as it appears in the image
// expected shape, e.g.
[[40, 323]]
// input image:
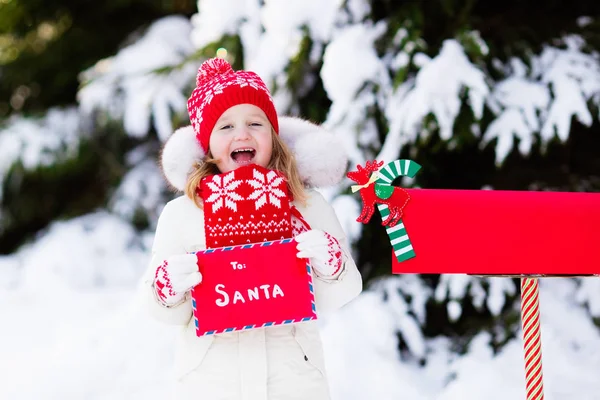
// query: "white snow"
[[516, 101], [351, 89], [271, 34], [216, 19], [140, 190], [73, 324], [584, 21], [526, 101], [509, 123], [567, 336], [589, 295], [361, 354], [39, 142], [72, 321], [347, 209], [94, 251], [283, 22], [407, 316], [351, 46], [125, 85], [401, 60], [544, 99], [359, 9], [573, 77], [455, 287], [454, 310], [435, 89]]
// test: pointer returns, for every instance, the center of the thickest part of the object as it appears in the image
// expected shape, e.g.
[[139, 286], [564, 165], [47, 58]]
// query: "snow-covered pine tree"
[[430, 81], [481, 94]]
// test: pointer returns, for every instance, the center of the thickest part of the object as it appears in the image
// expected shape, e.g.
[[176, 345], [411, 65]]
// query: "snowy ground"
[[72, 329]]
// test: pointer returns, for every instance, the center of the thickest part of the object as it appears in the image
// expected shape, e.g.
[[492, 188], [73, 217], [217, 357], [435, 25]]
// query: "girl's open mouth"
[[243, 156]]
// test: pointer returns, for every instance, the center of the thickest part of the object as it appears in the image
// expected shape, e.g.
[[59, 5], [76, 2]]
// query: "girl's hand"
[[175, 277], [324, 251]]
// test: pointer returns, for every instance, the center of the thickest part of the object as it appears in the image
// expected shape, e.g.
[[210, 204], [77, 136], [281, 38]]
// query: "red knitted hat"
[[219, 87]]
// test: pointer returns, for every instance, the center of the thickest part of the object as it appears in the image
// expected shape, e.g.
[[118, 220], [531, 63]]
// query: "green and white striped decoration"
[[398, 236], [395, 169]]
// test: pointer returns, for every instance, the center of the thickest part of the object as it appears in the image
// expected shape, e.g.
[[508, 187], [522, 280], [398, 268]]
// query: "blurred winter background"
[[484, 94]]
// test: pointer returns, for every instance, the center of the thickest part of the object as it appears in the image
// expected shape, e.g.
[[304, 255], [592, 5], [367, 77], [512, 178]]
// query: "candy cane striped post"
[[398, 236], [530, 319]]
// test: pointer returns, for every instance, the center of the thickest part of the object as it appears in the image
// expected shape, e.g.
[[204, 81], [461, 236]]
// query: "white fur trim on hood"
[[179, 154], [319, 154]]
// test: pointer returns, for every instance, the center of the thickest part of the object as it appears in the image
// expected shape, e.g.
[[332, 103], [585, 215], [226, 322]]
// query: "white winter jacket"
[[274, 363]]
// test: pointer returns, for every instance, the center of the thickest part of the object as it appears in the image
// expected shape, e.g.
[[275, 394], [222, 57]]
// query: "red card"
[[252, 286], [502, 233]]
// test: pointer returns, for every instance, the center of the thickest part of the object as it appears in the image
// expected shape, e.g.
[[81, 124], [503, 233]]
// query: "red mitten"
[[250, 204]]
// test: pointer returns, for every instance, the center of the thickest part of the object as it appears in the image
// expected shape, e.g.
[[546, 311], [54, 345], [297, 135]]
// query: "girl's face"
[[241, 136]]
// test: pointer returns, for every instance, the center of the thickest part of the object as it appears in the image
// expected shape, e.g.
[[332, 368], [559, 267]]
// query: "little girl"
[[235, 124]]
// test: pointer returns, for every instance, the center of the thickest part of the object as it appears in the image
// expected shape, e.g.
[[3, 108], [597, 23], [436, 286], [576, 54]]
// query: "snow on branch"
[[128, 85], [271, 34], [558, 87], [408, 315], [574, 77], [436, 90], [517, 102], [453, 288], [351, 89], [140, 190], [39, 142], [217, 18], [352, 46]]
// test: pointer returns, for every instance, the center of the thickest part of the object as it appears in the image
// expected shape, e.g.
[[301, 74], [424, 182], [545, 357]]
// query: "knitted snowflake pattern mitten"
[[250, 204]]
